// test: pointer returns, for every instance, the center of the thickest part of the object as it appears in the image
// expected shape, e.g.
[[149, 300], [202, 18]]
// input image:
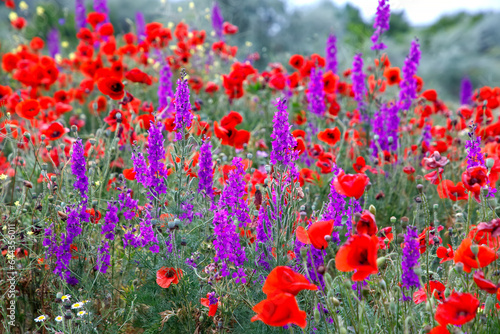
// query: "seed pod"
[[317, 316]]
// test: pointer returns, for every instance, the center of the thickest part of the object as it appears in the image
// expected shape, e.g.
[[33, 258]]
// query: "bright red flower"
[[366, 224], [28, 109], [166, 276], [439, 330], [296, 61], [129, 174], [112, 87], [435, 287], [229, 29], [464, 255], [358, 253], [457, 310], [393, 75], [445, 254], [54, 131], [280, 310], [351, 185], [330, 136], [212, 309], [484, 284], [136, 75], [360, 165], [492, 227], [282, 279], [474, 179], [447, 189], [316, 233]]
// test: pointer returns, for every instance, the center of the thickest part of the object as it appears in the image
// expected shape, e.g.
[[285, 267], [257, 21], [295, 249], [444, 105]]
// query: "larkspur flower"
[[331, 53], [264, 239], [206, 171], [409, 262], [53, 42], [316, 95], [466, 91], [217, 20], [232, 197], [408, 85], [165, 91], [283, 141], [381, 24], [473, 148], [358, 80], [101, 6], [157, 171], [140, 26], [79, 169], [183, 115], [80, 16]]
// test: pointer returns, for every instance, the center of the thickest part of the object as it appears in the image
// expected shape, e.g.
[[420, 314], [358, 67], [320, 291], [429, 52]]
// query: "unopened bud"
[[460, 267], [268, 168], [317, 316], [27, 135], [420, 188], [380, 261], [303, 252], [372, 209], [474, 249], [74, 128], [393, 220], [335, 302], [490, 162]]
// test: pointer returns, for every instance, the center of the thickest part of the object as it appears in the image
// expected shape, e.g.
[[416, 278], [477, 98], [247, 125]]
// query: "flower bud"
[[372, 209], [420, 188], [474, 249], [303, 252], [74, 128], [380, 261], [490, 162], [317, 316], [459, 267], [268, 168], [382, 284], [335, 302], [393, 220]]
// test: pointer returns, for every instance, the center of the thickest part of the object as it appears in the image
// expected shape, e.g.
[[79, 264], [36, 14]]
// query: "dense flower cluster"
[[283, 142], [409, 262], [381, 24]]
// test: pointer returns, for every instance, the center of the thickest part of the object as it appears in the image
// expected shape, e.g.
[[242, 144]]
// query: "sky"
[[418, 12]]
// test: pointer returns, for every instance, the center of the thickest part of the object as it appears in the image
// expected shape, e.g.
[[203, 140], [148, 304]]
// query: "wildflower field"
[[156, 181]]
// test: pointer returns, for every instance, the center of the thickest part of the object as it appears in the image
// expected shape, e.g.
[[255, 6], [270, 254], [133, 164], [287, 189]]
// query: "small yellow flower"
[[40, 11], [248, 44], [59, 318], [41, 318], [72, 56], [97, 183], [58, 57], [23, 5], [13, 16], [191, 5], [170, 25], [30, 232], [3, 176], [179, 9], [17, 203], [64, 44]]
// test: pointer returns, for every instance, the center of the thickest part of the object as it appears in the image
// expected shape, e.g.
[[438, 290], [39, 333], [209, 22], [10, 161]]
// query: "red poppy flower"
[[229, 29], [18, 23], [457, 310], [492, 227], [95, 215], [435, 287], [280, 310], [166, 276], [474, 179], [439, 330], [28, 108], [316, 233], [358, 253], [231, 120], [330, 136], [484, 284], [112, 87], [211, 87], [366, 224], [129, 174], [464, 254], [54, 131], [393, 75], [445, 254], [351, 185], [296, 61], [212, 309], [106, 29], [136, 75], [434, 177], [282, 279], [447, 189], [95, 18]]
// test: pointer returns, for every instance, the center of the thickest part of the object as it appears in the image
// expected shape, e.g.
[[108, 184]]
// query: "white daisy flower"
[[59, 318], [77, 305], [41, 318], [65, 297], [81, 313]]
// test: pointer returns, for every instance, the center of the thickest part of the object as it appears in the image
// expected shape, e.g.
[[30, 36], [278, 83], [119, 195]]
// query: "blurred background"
[[458, 37]]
